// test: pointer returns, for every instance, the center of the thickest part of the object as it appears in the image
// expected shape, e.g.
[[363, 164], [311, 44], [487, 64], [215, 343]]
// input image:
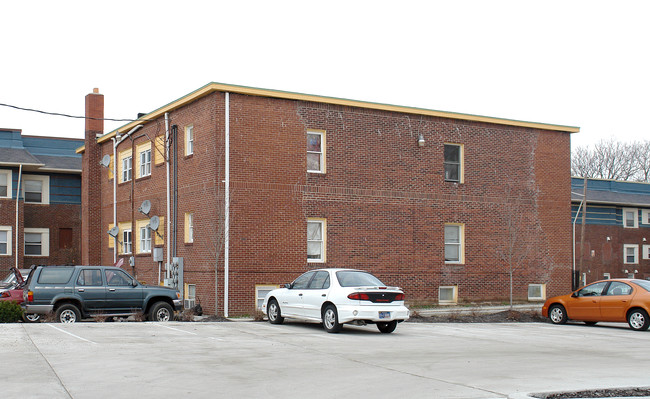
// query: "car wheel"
[[68, 313], [31, 318], [331, 319], [591, 323], [161, 311], [387, 328], [274, 313], [638, 320], [557, 314]]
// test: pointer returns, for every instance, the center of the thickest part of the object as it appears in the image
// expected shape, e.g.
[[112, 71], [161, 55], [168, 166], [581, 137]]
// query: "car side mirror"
[[134, 283], [574, 295], [287, 286]]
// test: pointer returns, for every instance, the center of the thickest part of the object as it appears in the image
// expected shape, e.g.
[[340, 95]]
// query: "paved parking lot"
[[259, 360]]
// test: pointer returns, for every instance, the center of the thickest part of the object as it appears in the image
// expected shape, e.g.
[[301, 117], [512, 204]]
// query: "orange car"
[[615, 300]]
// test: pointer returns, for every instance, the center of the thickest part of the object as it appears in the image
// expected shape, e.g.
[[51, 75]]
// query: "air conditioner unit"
[[189, 303]]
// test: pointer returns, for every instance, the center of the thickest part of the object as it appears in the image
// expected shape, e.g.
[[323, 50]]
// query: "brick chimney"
[[91, 189]]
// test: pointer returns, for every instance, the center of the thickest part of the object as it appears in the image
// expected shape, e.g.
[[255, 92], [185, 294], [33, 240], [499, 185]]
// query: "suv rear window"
[[55, 275]]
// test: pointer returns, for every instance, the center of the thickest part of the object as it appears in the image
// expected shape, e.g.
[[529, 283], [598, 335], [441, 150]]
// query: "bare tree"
[[610, 159]]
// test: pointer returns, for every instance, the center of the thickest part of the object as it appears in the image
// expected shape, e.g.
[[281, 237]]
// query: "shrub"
[[10, 312]]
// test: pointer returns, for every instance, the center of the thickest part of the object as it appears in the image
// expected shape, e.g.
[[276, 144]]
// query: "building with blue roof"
[[40, 200]]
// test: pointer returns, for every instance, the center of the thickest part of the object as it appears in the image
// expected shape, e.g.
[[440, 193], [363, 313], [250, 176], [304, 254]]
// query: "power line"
[[69, 116]]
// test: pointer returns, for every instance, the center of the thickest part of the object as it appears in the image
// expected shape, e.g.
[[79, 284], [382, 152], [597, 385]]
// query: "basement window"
[[448, 295], [536, 292]]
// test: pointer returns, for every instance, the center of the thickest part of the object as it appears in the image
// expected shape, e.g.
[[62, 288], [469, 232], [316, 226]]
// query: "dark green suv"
[[76, 292]]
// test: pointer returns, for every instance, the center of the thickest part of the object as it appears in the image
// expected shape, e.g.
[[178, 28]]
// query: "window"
[[127, 164], [536, 292], [37, 242], [5, 184], [316, 151], [65, 238], [5, 240], [127, 244], [454, 243], [36, 189], [90, 277], [645, 216], [55, 275], [302, 281], [260, 294], [593, 290], [453, 163], [448, 295], [630, 218], [189, 227], [646, 252], [190, 296], [159, 155], [316, 240], [145, 163], [320, 281], [118, 278], [189, 140], [631, 254], [607, 276], [145, 240], [618, 288]]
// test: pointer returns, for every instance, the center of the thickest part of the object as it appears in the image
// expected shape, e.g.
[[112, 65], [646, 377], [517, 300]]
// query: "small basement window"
[[536, 292], [448, 295]]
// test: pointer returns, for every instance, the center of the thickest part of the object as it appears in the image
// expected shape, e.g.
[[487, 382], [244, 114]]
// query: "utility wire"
[[71, 116]]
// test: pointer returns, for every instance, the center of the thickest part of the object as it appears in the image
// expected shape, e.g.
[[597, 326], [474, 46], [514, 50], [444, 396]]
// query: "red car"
[[15, 293], [615, 300]]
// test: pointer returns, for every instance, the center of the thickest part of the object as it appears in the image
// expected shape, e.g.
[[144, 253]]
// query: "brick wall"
[[384, 198]]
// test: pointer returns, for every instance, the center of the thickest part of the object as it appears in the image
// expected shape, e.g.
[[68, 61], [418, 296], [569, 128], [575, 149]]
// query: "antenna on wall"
[[145, 208], [153, 225], [106, 161]]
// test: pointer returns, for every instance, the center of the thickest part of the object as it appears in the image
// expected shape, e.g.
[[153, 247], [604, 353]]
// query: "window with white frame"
[[630, 218], [316, 240], [5, 240], [189, 140], [260, 293], [190, 296], [145, 163], [646, 252], [5, 183], [189, 227], [127, 168], [645, 216], [37, 242], [607, 276], [536, 292], [448, 295], [631, 254], [453, 162], [127, 243], [145, 239], [454, 243], [36, 189], [315, 151]]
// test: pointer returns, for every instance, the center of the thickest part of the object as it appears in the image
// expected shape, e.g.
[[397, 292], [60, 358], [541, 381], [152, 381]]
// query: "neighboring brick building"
[[421, 198], [617, 229], [46, 229]]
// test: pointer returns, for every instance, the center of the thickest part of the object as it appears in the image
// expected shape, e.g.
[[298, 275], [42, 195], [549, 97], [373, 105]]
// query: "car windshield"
[[645, 284], [352, 278]]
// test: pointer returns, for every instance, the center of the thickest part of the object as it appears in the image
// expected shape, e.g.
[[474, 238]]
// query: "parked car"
[[76, 292], [336, 297], [11, 281], [615, 300], [14, 292]]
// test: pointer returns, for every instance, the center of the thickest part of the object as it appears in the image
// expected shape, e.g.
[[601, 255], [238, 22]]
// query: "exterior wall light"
[[421, 140]]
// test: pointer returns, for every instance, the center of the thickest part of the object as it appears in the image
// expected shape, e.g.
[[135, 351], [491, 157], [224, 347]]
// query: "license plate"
[[384, 315]]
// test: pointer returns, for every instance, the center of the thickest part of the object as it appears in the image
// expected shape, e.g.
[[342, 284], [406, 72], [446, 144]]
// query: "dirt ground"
[[507, 316]]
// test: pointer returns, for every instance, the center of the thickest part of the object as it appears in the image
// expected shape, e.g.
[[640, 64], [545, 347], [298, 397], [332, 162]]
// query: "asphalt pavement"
[[293, 360]]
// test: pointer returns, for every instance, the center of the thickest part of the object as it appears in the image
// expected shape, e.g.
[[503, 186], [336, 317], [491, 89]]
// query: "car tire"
[[387, 328], [274, 313], [557, 314], [638, 320], [68, 313], [331, 319], [31, 318], [161, 311]]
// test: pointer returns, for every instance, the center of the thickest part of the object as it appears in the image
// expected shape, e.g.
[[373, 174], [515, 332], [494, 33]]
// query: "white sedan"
[[335, 297]]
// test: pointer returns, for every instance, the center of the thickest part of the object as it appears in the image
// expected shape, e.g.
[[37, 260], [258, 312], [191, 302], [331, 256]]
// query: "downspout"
[[226, 218], [169, 222], [573, 287], [20, 175]]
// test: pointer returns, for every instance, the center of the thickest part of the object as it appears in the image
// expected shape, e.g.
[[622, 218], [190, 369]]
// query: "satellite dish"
[[154, 223], [145, 207], [113, 232], [106, 161]]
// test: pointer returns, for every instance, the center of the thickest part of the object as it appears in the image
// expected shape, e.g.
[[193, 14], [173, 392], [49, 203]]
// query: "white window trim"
[[189, 140], [646, 252], [10, 187], [260, 294], [145, 164], [645, 216], [636, 254], [124, 242], [8, 229], [607, 276], [461, 251], [542, 290], [45, 187], [454, 299], [323, 240], [127, 173], [45, 241], [322, 151], [145, 240], [636, 218], [189, 227]]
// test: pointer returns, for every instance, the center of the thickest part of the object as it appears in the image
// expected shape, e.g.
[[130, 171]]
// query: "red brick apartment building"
[[434, 202]]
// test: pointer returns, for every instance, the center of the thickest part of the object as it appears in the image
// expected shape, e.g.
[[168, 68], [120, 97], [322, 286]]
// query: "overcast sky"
[[576, 63]]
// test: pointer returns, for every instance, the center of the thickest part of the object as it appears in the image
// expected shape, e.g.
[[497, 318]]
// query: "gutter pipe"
[[20, 175]]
